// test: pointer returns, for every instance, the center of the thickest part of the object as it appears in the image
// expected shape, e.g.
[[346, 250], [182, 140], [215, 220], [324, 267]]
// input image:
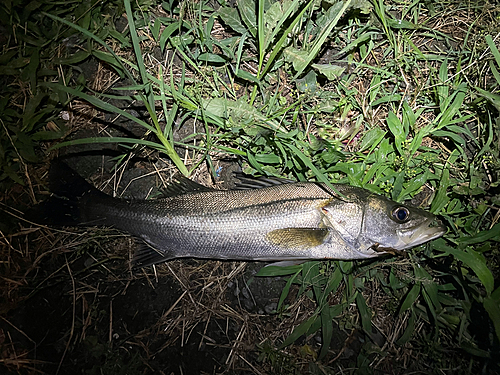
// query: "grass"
[[378, 95]]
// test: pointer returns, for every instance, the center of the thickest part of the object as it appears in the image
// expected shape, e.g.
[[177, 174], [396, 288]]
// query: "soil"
[[75, 306], [81, 309]]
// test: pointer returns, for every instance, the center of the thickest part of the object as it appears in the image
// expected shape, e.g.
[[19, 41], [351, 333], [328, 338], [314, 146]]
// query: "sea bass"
[[272, 221]]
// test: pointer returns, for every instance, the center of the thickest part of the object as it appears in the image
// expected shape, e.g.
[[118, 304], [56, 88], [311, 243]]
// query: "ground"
[[71, 302]]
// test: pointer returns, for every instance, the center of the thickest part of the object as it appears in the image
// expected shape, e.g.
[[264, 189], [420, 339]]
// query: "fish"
[[261, 220]]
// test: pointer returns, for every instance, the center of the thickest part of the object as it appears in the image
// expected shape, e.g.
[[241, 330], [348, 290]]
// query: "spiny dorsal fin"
[[250, 182], [182, 185]]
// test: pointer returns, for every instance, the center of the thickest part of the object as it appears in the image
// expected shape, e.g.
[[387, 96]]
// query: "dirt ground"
[[72, 304]]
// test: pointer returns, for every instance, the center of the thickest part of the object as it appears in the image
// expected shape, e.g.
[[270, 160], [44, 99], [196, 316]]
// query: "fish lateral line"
[[267, 221]]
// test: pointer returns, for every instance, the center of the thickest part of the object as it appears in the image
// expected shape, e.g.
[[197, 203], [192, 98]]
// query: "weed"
[[379, 95]]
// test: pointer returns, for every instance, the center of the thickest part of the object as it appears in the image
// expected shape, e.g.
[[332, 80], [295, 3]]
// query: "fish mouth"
[[415, 236]]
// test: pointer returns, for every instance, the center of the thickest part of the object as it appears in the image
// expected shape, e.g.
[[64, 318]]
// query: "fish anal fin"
[[297, 237], [147, 255]]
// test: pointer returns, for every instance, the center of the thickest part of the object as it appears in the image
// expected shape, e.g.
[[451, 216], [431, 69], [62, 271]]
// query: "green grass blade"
[[335, 12], [442, 88], [412, 187], [286, 290], [492, 306], [396, 128], [167, 33], [410, 298], [97, 39], [169, 115], [261, 33], [195, 67], [239, 52], [284, 17], [493, 98], [139, 59], [326, 330], [472, 259], [449, 111], [409, 330], [302, 329], [277, 48], [320, 176], [495, 72], [96, 140], [441, 199], [99, 103], [493, 49], [429, 285], [333, 283], [364, 313], [491, 234], [271, 270]]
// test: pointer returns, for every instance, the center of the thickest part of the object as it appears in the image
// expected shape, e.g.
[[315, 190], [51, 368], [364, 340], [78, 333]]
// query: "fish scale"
[[289, 221], [228, 231]]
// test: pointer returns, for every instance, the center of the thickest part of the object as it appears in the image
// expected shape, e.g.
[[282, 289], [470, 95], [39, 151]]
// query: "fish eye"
[[401, 214]]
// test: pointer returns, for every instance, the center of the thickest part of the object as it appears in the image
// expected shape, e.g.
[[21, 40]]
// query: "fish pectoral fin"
[[297, 237]]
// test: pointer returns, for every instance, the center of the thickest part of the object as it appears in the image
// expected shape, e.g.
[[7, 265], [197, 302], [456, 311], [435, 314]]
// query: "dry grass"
[[101, 296]]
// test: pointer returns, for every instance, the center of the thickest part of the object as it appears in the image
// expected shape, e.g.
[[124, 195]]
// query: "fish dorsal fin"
[[182, 185], [249, 182], [297, 237]]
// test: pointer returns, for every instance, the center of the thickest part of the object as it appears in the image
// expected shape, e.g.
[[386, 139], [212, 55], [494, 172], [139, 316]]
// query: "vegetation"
[[380, 95]]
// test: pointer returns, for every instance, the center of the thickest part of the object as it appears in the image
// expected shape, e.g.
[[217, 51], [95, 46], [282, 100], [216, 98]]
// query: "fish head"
[[371, 225], [393, 225]]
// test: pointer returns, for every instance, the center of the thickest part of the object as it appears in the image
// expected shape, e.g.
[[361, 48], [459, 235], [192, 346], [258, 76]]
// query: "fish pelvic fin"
[[297, 237]]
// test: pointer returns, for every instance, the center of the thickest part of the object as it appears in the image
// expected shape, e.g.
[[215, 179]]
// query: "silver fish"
[[276, 221]]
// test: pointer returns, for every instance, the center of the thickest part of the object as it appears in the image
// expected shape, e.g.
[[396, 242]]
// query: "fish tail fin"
[[65, 182], [63, 208]]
